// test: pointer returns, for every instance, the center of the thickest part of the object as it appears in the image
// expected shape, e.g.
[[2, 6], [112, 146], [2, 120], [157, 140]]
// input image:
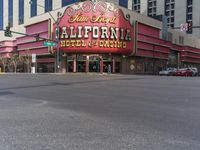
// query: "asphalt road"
[[99, 112]]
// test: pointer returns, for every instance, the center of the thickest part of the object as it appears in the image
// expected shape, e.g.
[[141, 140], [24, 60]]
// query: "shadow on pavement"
[[68, 84], [6, 93]]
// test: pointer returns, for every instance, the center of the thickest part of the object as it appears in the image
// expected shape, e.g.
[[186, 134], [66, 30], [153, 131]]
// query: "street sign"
[[49, 43]]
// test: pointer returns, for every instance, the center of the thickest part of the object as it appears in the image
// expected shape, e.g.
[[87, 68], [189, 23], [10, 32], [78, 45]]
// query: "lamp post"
[[153, 59], [57, 63]]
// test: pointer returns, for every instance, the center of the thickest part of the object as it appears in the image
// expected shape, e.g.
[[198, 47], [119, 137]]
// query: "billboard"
[[95, 27]]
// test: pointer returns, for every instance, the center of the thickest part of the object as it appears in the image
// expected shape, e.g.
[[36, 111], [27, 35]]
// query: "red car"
[[184, 72]]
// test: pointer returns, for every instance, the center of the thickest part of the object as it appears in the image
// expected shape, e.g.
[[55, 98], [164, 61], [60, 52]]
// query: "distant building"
[[177, 11]]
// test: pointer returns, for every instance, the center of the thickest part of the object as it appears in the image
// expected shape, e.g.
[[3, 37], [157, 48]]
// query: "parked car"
[[194, 70], [168, 72], [184, 72]]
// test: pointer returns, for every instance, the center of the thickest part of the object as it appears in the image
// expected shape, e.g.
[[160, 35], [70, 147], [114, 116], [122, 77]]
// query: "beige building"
[[177, 11]]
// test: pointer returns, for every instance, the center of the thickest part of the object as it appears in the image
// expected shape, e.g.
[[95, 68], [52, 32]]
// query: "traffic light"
[[37, 37], [57, 33], [7, 31]]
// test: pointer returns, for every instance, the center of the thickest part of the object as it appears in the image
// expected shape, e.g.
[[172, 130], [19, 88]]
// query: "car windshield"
[[170, 69], [193, 68], [184, 69]]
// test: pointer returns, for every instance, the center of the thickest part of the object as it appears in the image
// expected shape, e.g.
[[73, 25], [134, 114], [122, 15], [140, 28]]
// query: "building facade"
[[94, 37], [177, 11]]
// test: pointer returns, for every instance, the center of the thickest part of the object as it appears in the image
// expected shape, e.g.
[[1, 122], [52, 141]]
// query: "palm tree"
[[4, 61], [15, 59], [27, 59]]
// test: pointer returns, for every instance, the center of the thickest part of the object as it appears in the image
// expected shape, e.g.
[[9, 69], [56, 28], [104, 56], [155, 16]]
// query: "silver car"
[[168, 72]]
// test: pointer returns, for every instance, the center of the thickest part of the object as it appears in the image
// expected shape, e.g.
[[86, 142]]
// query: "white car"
[[194, 70], [168, 72]]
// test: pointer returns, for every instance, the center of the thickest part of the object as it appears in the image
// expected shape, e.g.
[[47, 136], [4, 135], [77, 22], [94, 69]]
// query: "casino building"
[[100, 37]]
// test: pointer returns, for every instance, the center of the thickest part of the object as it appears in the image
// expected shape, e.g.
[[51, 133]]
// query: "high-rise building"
[[18, 12], [177, 11]]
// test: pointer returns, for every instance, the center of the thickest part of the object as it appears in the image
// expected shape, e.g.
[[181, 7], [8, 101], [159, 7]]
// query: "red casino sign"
[[95, 28]]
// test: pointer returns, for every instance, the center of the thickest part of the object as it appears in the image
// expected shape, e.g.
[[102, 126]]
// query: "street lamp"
[[57, 64]]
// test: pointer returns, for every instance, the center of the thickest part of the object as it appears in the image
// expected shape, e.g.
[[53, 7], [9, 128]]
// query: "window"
[[189, 15], [136, 5], [151, 8], [172, 6], [189, 9], [150, 4], [189, 2], [167, 20], [181, 40], [169, 11], [34, 8], [1, 14], [167, 7], [10, 12], [123, 3], [21, 12], [167, 1], [136, 2], [67, 2], [172, 19], [48, 5]]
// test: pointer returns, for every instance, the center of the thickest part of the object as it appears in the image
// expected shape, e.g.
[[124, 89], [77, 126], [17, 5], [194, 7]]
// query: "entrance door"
[[81, 63], [81, 66], [117, 67], [70, 66], [107, 64], [107, 67], [94, 64]]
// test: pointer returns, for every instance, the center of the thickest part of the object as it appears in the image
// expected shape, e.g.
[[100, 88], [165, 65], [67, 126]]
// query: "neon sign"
[[92, 27]]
